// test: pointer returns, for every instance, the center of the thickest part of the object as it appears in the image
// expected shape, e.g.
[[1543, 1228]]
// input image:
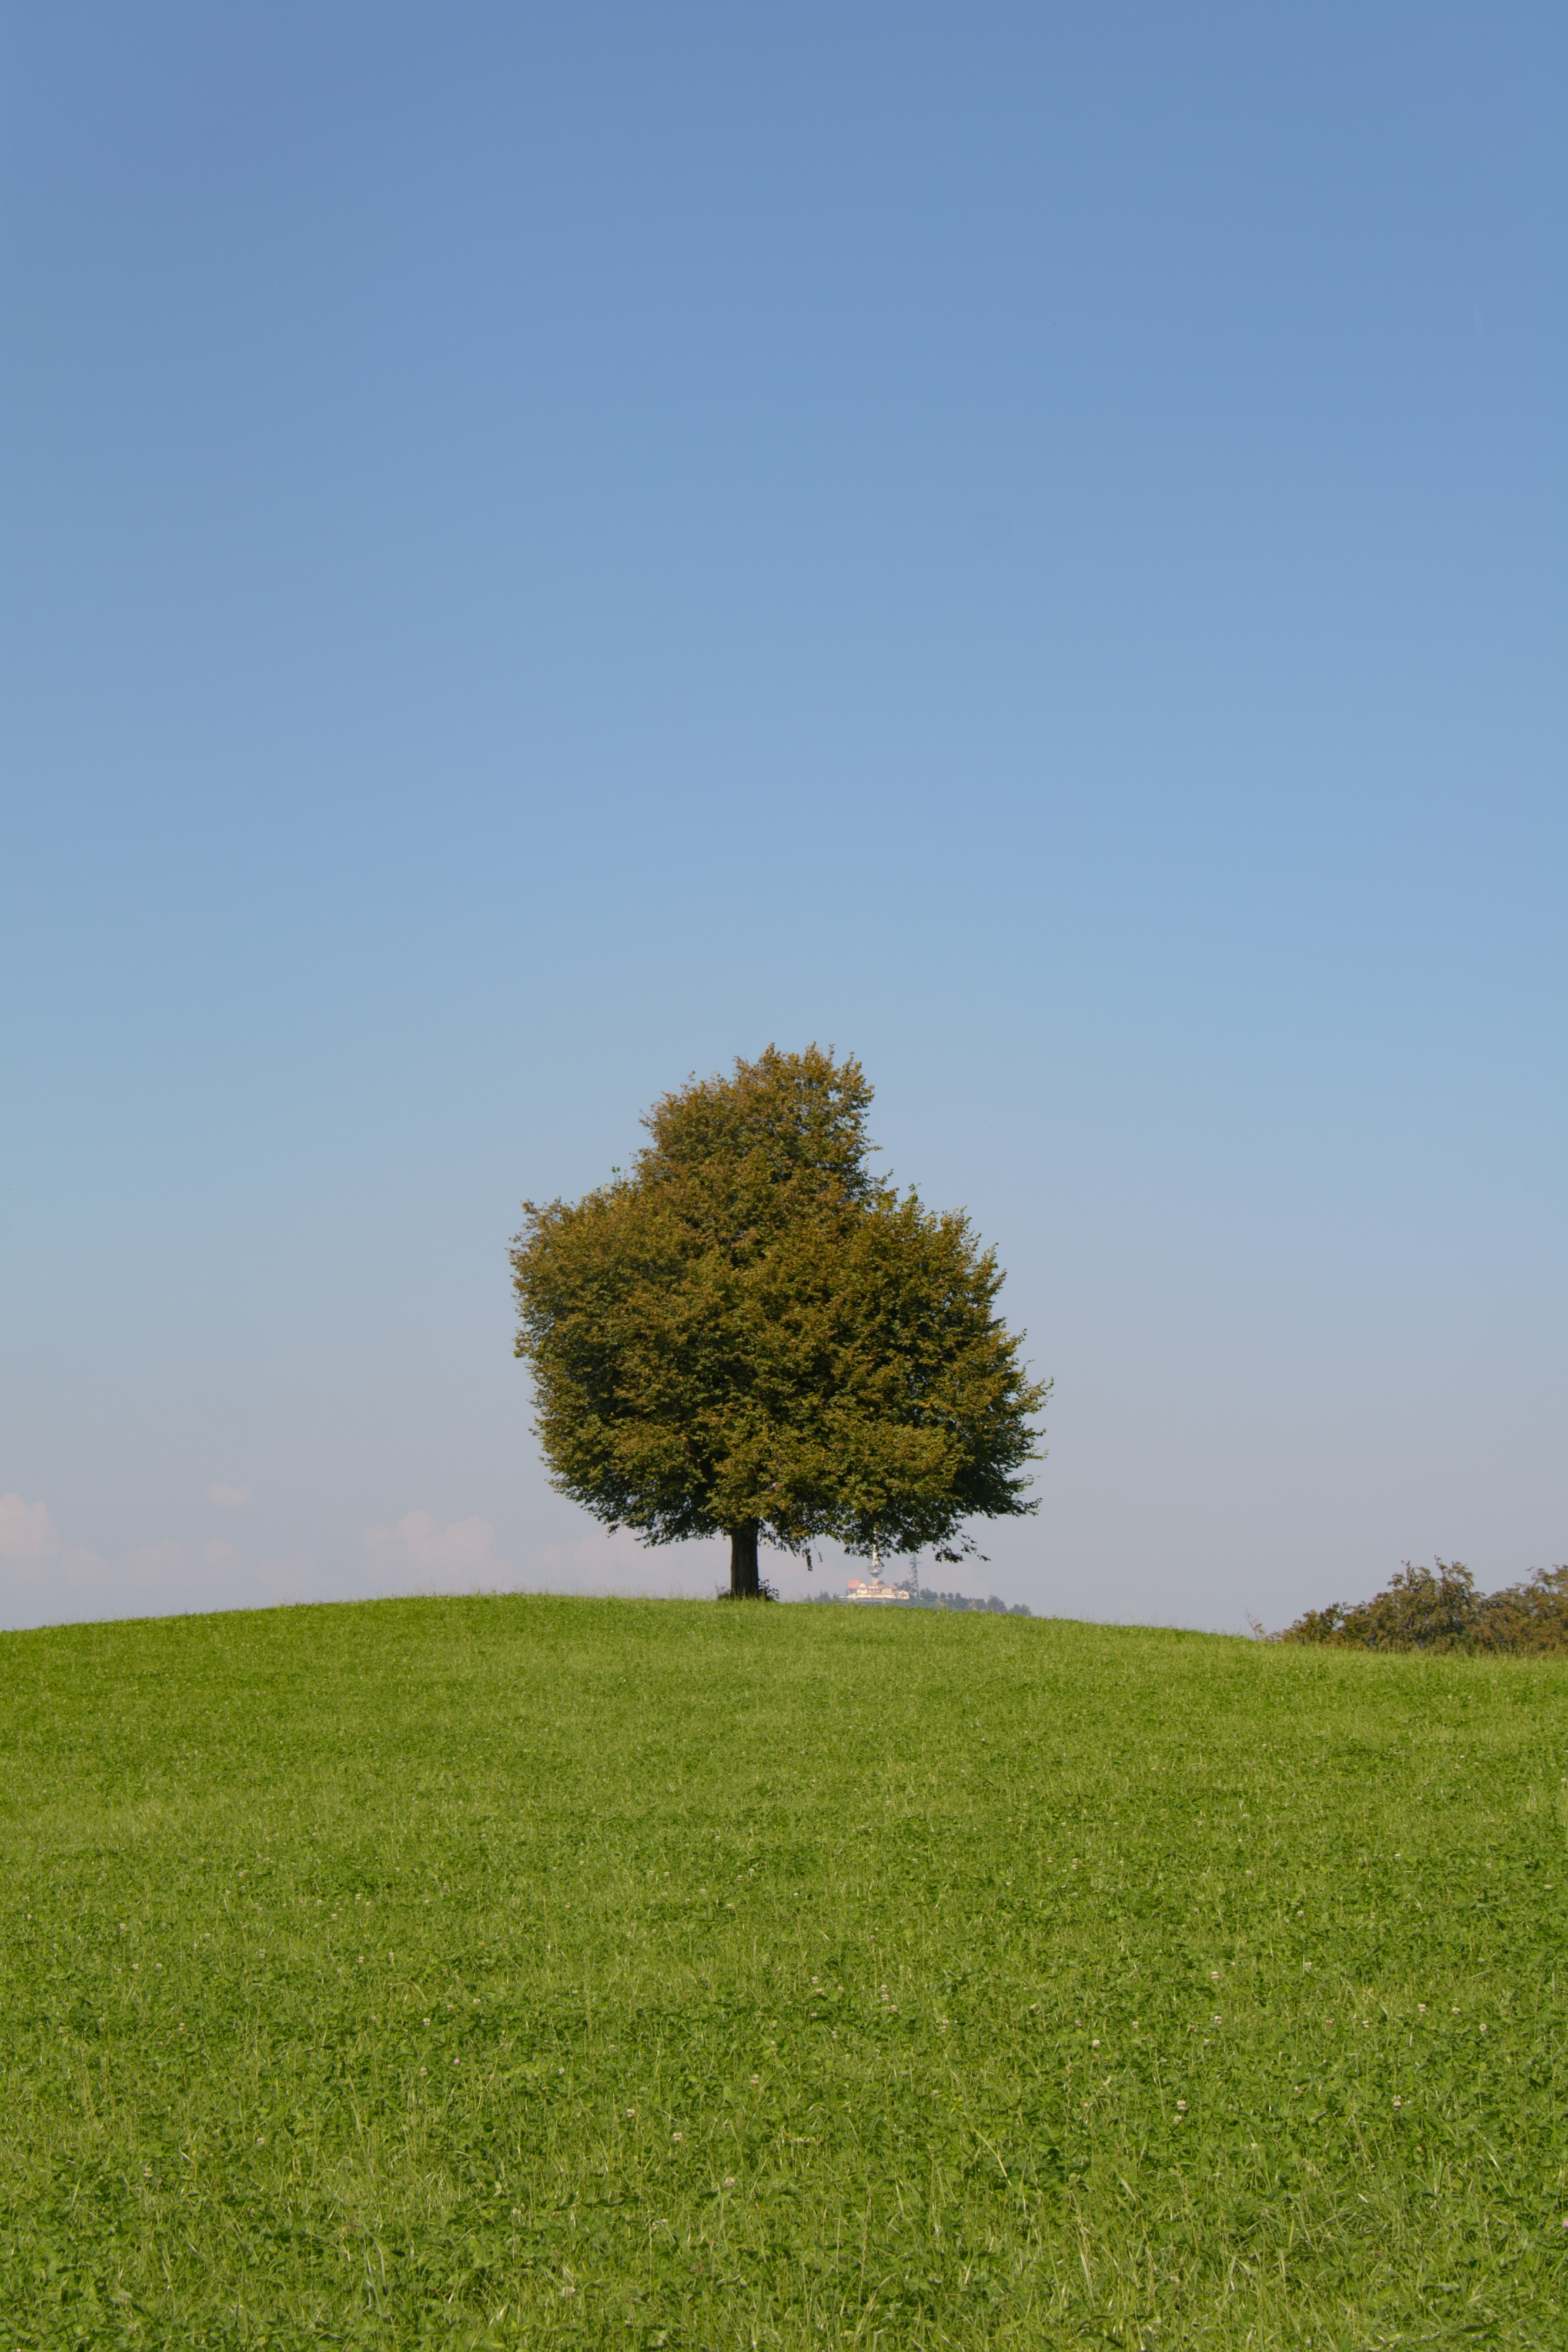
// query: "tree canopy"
[[752, 1334]]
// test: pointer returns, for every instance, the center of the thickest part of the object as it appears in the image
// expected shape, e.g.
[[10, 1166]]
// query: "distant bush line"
[[959, 1601], [1438, 1608]]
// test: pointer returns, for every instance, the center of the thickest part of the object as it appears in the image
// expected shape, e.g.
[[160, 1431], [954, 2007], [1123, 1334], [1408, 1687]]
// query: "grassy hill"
[[553, 1971]]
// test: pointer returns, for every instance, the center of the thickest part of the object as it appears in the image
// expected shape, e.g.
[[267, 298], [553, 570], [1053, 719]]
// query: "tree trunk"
[[743, 1584]]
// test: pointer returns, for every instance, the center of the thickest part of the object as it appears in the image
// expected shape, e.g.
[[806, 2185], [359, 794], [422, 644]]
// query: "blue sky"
[[548, 548]]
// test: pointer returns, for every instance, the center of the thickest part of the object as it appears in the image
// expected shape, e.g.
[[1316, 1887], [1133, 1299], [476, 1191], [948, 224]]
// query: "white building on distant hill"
[[873, 1589]]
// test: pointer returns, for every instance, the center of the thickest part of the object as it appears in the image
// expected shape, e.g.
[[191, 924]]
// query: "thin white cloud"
[[419, 1552], [229, 1499], [295, 1577], [419, 1555], [616, 1562], [26, 1530], [44, 1580]]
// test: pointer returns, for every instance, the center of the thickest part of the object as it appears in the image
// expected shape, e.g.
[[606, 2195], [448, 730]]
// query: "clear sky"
[[547, 548]]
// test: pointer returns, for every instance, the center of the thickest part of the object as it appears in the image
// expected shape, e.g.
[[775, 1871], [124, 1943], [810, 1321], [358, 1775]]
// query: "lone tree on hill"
[[752, 1335]]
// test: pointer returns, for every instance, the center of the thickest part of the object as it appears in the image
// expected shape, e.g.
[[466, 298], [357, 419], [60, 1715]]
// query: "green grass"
[[535, 1971]]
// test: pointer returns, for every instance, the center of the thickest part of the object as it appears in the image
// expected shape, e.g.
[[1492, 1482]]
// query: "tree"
[[752, 1335]]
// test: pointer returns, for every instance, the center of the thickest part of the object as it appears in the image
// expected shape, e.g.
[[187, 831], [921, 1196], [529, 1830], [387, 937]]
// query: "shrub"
[[1532, 1616], [1438, 1608]]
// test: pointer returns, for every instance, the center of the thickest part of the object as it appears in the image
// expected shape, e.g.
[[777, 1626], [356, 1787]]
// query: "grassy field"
[[542, 1971]]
